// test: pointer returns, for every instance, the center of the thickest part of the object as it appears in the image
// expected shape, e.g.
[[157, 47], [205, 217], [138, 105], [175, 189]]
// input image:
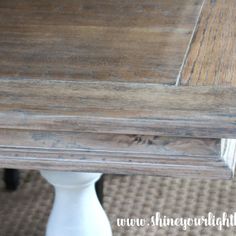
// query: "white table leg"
[[76, 210]]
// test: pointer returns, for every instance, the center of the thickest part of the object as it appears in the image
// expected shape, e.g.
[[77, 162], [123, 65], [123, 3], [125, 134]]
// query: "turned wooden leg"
[[11, 178], [76, 210]]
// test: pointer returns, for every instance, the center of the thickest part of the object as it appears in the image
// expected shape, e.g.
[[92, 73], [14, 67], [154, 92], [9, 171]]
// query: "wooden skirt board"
[[131, 87], [114, 153]]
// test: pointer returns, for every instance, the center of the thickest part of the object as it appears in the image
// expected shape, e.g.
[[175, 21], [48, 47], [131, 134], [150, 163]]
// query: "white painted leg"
[[76, 210]]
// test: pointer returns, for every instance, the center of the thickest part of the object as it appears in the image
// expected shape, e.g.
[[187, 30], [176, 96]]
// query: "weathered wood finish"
[[118, 108], [80, 86], [46, 102], [112, 143], [212, 57], [135, 41], [109, 153]]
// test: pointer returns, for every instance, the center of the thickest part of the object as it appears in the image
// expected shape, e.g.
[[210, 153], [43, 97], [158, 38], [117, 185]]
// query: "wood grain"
[[139, 145], [79, 86], [212, 57], [109, 153], [118, 108], [106, 40]]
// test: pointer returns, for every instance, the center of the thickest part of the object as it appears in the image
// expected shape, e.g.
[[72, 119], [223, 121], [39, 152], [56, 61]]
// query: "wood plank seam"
[[179, 76]]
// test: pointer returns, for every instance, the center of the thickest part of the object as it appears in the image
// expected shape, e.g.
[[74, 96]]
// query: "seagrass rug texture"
[[25, 212]]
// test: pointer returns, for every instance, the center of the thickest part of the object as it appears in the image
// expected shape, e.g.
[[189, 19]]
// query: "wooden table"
[[123, 87]]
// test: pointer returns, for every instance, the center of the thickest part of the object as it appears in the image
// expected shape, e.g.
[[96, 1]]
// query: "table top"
[[98, 66], [140, 70], [120, 41]]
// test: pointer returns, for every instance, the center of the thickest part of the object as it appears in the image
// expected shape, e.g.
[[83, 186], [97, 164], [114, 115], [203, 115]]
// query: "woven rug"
[[25, 212]]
